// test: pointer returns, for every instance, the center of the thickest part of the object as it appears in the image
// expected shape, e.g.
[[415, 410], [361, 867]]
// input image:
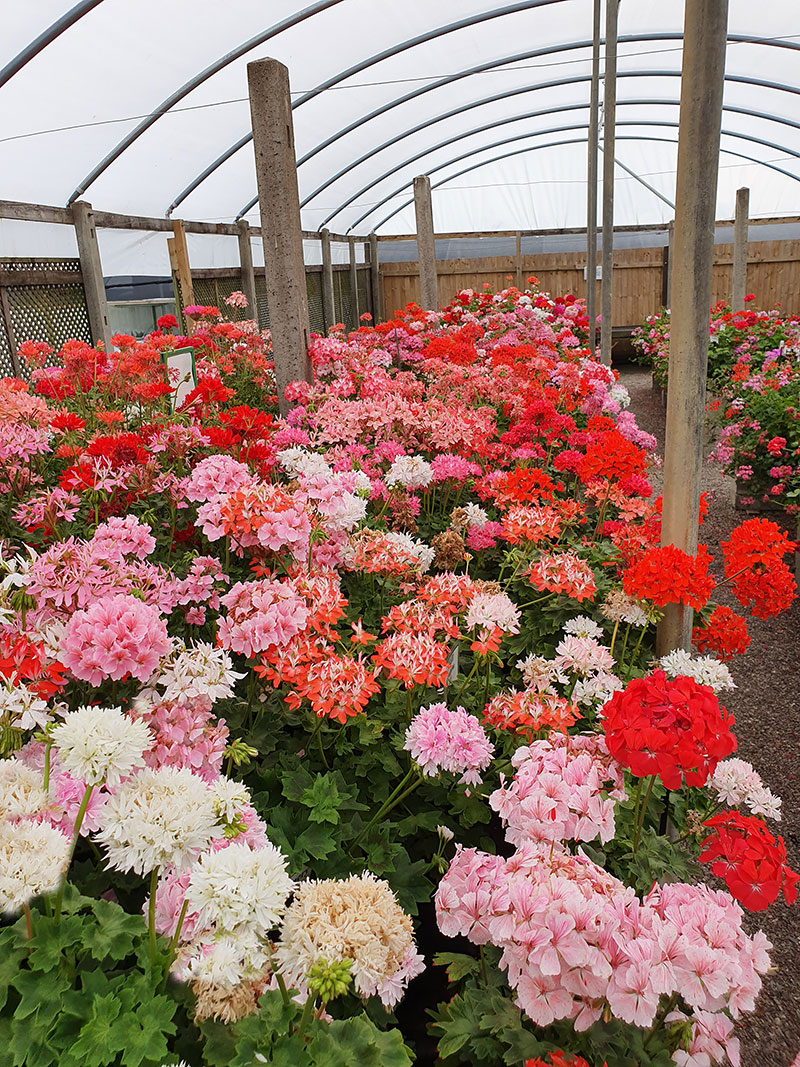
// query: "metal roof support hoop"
[[660, 123], [546, 111], [591, 184], [705, 23]]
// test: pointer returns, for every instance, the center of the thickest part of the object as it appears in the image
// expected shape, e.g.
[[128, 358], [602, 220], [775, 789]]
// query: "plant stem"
[[75, 835], [636, 650], [46, 783], [306, 1017], [614, 637], [28, 920], [642, 811], [387, 805], [151, 914]]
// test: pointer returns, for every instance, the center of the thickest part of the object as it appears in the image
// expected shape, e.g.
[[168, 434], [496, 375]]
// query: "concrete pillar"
[[426, 244], [246, 263], [591, 185], [353, 280], [281, 230], [609, 118], [328, 296], [92, 272], [704, 42], [376, 284], [739, 281]]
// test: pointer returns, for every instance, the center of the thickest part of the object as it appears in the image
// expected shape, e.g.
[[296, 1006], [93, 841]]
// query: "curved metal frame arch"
[[633, 38], [378, 57], [736, 78], [521, 151], [462, 136], [46, 37], [193, 83]]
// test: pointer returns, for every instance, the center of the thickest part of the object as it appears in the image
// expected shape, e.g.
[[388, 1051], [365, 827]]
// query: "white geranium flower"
[[101, 744], [33, 860], [240, 887]]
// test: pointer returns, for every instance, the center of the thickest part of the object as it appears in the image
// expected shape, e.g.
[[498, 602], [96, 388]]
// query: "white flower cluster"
[[101, 744], [199, 671], [492, 609], [598, 689], [704, 669], [298, 461], [583, 626], [424, 553], [413, 472], [474, 516], [21, 708], [156, 818], [21, 791], [540, 674], [736, 782], [619, 607], [33, 859]]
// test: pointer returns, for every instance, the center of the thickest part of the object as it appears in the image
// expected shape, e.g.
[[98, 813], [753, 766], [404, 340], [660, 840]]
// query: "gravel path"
[[767, 710]]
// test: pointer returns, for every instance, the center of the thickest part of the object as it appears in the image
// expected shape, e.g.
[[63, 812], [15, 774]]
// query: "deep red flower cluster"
[[671, 727], [760, 580], [724, 634], [752, 862], [666, 575]]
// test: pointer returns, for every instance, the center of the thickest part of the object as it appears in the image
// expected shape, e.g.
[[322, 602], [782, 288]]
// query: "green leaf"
[[458, 965], [29, 1047], [12, 953], [52, 938], [317, 841], [40, 997], [141, 1034], [96, 1044], [323, 798], [114, 934]]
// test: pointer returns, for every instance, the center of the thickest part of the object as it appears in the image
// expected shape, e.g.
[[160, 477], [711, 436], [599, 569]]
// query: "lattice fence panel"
[[261, 301], [364, 301], [342, 298], [41, 307], [314, 292]]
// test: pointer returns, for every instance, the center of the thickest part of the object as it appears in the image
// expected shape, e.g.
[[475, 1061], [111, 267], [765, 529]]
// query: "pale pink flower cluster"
[[186, 734], [198, 590], [237, 299], [118, 537], [334, 497], [443, 740], [261, 615], [582, 655], [115, 637], [564, 788], [47, 507], [65, 792], [490, 610], [215, 475], [736, 782], [577, 943]]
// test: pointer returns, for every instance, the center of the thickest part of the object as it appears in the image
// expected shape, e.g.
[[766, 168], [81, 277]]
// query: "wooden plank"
[[184, 271], [14, 209], [5, 313], [40, 277]]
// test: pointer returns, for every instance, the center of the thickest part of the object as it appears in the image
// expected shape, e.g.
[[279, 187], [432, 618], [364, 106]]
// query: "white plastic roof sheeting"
[[86, 91]]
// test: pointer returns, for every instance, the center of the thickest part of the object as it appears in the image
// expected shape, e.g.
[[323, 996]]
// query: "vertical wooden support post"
[[328, 296], [91, 272], [353, 281], [518, 261], [248, 272], [426, 244], [182, 263], [591, 185], [281, 230], [609, 119], [739, 280], [702, 79], [5, 312], [670, 255], [375, 280]]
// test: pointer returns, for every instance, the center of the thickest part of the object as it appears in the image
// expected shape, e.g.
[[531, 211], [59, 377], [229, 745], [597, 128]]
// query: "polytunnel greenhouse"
[[399, 535]]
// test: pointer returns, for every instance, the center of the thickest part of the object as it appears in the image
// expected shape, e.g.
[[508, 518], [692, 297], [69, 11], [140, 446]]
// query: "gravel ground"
[[766, 705]]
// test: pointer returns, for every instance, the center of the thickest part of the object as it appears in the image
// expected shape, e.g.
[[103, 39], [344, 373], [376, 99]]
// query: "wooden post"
[[702, 79], [591, 185], [426, 244], [353, 281], [375, 282], [248, 272], [281, 230], [91, 272], [739, 280], [670, 252], [609, 118], [9, 328], [184, 270], [328, 298], [518, 260]]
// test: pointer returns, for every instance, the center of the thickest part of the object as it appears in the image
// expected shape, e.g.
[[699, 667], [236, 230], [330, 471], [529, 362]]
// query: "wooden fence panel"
[[773, 275]]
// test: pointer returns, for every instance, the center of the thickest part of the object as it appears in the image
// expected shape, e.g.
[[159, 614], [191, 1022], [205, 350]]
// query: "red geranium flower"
[[674, 728], [67, 420], [666, 575], [725, 634], [752, 862], [754, 566], [166, 322]]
